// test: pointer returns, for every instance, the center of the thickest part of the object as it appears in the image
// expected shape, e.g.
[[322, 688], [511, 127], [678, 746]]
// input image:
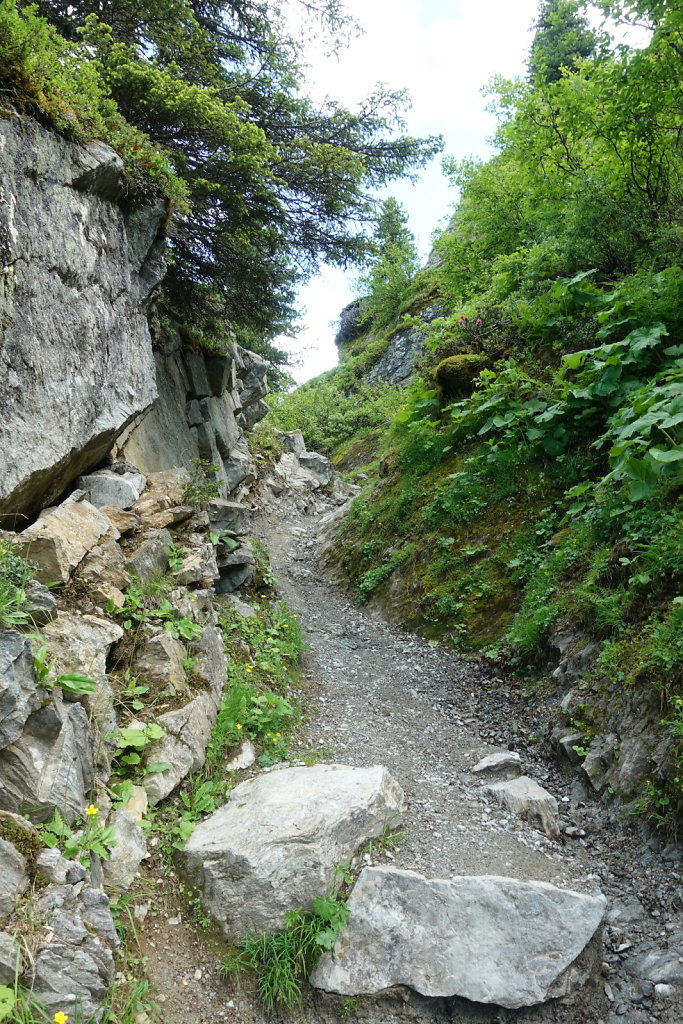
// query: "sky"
[[444, 52]]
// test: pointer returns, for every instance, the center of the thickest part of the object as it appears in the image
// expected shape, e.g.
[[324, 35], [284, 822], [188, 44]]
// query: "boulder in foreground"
[[276, 843], [486, 938]]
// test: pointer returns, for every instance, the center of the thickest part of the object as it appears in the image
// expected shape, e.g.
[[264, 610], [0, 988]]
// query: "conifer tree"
[[563, 36]]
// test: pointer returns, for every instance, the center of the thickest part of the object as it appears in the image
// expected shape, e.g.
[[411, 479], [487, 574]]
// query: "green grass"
[[282, 961]]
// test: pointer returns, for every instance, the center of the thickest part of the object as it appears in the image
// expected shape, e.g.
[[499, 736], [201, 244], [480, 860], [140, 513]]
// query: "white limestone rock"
[[61, 537], [275, 844], [486, 938]]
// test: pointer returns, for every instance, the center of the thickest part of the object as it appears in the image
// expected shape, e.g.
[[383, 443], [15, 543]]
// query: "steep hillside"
[[522, 496]]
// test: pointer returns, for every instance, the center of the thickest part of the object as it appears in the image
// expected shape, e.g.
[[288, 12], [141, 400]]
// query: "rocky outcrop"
[[275, 845], [485, 938], [51, 765], [396, 364], [351, 324], [77, 273], [73, 965], [205, 403]]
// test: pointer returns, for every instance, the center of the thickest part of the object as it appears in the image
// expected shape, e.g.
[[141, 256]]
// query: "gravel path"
[[381, 696], [427, 714]]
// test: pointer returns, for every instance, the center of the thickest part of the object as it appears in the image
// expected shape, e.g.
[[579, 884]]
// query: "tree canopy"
[[270, 183], [563, 38]]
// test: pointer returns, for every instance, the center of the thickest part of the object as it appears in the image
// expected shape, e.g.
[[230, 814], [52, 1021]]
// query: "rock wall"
[[77, 271], [204, 404], [396, 363]]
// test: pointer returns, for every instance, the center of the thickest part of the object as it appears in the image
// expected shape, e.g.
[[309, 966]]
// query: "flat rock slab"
[[484, 938], [505, 764], [276, 843]]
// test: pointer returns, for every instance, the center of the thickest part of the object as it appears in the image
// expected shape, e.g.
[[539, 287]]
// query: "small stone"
[[523, 796], [244, 758], [664, 991], [501, 764]]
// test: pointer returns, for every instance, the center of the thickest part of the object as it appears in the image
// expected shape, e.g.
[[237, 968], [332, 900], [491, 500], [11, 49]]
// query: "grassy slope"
[[472, 537]]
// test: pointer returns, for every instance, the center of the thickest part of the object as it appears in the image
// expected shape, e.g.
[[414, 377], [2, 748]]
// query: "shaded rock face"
[[396, 364], [350, 326], [19, 695], [205, 403], [275, 844], [76, 276], [486, 938]]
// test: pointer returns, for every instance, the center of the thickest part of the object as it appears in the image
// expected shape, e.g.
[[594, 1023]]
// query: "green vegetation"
[[78, 843], [260, 703], [393, 263], [532, 477], [15, 574], [283, 960]]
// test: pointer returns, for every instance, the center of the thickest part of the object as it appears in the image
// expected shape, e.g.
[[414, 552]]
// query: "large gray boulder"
[[107, 488], [77, 273], [485, 938], [319, 465], [276, 843], [229, 517], [51, 766], [19, 694]]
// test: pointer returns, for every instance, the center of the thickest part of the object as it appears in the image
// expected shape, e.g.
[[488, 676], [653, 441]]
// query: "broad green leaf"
[[7, 1001], [666, 455]]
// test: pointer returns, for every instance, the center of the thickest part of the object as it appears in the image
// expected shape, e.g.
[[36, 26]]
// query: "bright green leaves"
[[7, 1001]]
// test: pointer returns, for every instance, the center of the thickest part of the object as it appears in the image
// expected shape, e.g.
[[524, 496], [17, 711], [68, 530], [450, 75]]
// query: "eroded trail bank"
[[428, 715]]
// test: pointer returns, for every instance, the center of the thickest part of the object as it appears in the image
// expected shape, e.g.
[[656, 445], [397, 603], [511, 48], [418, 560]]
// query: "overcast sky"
[[443, 52]]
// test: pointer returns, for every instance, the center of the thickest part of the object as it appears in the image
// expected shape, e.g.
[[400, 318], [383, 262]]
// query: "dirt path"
[[386, 697]]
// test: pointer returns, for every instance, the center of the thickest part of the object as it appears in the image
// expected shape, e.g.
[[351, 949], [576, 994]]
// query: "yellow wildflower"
[[249, 668], [60, 1018], [91, 812], [278, 735], [237, 725], [286, 625]]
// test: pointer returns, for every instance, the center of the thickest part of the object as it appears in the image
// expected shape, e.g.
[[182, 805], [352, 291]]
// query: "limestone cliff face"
[[77, 273], [205, 403]]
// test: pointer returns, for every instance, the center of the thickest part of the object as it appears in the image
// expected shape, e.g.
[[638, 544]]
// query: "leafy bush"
[[333, 408]]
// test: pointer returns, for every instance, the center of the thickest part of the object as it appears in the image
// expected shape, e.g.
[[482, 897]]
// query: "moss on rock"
[[455, 375]]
